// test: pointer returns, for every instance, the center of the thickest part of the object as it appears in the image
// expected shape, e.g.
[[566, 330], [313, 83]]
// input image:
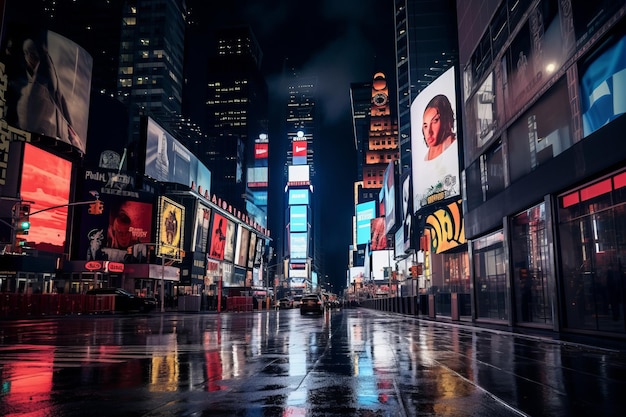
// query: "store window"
[[490, 277], [592, 235], [541, 133], [532, 271]]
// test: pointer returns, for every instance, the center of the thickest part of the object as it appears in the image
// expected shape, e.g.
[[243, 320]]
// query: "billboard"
[[407, 210], [298, 246], [365, 212], [446, 228], [602, 86], [298, 175], [252, 250], [434, 144], [168, 160], [298, 219], [48, 80], [231, 236], [241, 247], [258, 177], [379, 237], [298, 196], [46, 183], [218, 236], [299, 152], [171, 216], [201, 231], [391, 200], [261, 150]]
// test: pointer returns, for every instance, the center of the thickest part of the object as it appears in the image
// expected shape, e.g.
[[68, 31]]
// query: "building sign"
[[446, 228]]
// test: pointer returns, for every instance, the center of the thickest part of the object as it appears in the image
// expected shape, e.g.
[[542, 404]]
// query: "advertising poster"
[[46, 185], [252, 250], [241, 250], [127, 232], [365, 212], [434, 144], [379, 238], [170, 228], [49, 83], [231, 236], [218, 236], [201, 231]]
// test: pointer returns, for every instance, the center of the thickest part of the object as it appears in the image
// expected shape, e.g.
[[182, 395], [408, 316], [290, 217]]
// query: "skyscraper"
[[235, 113]]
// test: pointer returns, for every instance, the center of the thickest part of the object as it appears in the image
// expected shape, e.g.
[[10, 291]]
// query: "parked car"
[[297, 299], [125, 301], [285, 303], [311, 303]]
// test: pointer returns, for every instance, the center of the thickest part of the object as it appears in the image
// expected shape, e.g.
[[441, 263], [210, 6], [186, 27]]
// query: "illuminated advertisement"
[[252, 250], [298, 246], [434, 145], [379, 238], [298, 175], [170, 228], [261, 150], [298, 219], [201, 231], [299, 152], [231, 236], [602, 87], [446, 228], [365, 212], [390, 199], [45, 185], [241, 248], [380, 260], [218, 236], [407, 210], [167, 160], [298, 196], [49, 83], [258, 177]]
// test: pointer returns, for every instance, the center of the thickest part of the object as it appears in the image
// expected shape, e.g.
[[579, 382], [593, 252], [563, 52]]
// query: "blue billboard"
[[365, 212]]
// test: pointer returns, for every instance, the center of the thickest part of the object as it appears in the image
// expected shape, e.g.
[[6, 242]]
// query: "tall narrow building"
[[150, 75], [235, 114], [301, 248]]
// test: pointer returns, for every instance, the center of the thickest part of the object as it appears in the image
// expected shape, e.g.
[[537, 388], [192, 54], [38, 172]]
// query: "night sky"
[[339, 42]]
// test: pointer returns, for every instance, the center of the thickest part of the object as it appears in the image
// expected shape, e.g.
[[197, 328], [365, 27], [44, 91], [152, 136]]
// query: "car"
[[285, 303], [126, 301], [311, 304], [296, 301]]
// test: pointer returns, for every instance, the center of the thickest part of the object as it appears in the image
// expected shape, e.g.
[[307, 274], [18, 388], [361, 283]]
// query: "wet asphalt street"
[[351, 362]]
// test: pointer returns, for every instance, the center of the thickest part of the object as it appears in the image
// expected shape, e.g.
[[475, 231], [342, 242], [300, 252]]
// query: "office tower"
[[361, 106], [426, 45], [150, 75], [235, 112]]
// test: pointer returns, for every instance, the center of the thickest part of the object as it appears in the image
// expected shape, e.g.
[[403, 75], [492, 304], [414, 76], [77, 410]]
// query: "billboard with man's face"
[[434, 144]]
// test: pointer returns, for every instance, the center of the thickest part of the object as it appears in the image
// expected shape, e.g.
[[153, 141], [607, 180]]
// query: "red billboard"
[[46, 183], [218, 236], [261, 150]]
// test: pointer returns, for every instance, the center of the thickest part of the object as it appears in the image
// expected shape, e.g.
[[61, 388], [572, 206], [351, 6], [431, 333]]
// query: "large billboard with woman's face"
[[434, 144], [46, 183], [48, 82]]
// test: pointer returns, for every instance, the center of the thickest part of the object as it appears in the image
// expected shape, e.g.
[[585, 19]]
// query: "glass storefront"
[[592, 235], [490, 277], [531, 268]]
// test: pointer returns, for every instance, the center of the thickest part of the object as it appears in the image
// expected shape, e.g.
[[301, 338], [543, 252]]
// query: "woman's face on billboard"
[[431, 126]]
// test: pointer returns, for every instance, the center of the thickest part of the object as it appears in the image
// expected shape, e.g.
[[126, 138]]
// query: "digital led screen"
[[298, 246], [49, 82], [602, 87], [258, 177], [365, 212], [46, 183], [299, 152], [168, 160], [241, 249], [252, 250], [390, 198], [434, 144], [298, 219], [298, 196], [379, 238], [261, 150], [298, 173]]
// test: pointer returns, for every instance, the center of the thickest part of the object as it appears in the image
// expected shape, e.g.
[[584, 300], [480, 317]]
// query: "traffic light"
[[22, 224], [96, 207]]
